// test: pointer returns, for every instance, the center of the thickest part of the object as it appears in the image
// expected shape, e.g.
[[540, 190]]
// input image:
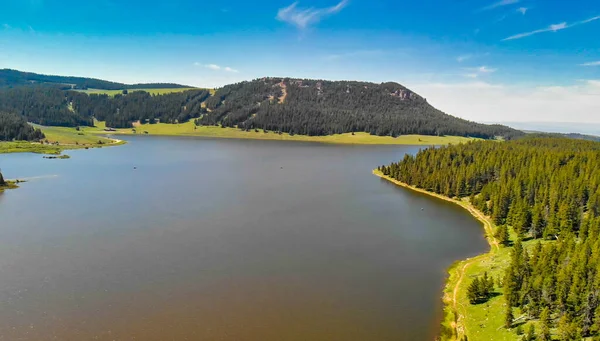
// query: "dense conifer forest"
[[305, 107], [545, 189], [46, 105], [121, 111], [15, 127], [316, 107]]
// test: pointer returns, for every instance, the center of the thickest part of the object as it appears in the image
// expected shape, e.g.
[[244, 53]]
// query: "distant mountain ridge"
[[588, 128], [13, 78], [285, 105]]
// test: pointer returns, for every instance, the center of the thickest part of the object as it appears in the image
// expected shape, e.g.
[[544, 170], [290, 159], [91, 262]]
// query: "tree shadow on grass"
[[485, 300]]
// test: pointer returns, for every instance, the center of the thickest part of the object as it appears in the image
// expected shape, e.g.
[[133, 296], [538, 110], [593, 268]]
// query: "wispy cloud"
[[6, 26], [228, 69], [212, 66], [304, 17], [591, 64], [522, 10], [552, 28], [216, 67], [500, 3], [476, 72], [481, 69], [464, 57]]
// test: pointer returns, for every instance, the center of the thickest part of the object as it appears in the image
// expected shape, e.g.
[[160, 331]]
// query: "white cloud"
[[500, 4], [471, 75], [485, 69], [522, 10], [591, 64], [304, 17], [216, 67], [552, 28], [486, 102], [212, 67]]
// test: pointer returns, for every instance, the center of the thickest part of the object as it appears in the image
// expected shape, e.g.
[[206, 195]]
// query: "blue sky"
[[486, 60]]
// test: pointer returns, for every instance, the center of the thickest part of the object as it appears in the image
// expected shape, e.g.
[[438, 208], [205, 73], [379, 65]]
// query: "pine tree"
[[530, 336], [509, 317], [487, 284], [502, 235], [473, 291], [545, 325], [519, 330]]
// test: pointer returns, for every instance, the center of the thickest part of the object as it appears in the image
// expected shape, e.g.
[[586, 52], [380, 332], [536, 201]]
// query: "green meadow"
[[190, 129]]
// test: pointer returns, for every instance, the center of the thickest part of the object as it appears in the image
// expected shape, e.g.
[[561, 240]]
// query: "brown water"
[[223, 240]]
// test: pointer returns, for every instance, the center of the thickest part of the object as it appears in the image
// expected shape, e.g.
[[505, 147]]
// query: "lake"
[[171, 238]]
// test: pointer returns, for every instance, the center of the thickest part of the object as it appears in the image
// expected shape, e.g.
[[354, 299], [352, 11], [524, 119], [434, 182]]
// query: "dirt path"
[[284, 90]]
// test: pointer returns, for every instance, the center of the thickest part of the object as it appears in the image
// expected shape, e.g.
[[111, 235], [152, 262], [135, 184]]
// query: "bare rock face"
[[405, 94]]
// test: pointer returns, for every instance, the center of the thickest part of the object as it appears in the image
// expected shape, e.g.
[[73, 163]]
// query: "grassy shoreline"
[[9, 185], [190, 129], [59, 139], [461, 319]]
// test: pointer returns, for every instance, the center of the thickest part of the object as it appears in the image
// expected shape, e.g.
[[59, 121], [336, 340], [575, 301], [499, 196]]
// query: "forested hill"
[[12, 78], [317, 107], [545, 189], [305, 107]]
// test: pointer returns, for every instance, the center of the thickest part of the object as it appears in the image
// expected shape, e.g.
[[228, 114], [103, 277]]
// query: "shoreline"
[[190, 129], [9, 185], [50, 149], [454, 312]]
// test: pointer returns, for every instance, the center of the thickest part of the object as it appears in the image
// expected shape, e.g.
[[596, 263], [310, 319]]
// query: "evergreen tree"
[[473, 291], [530, 336], [509, 317], [502, 235], [545, 325]]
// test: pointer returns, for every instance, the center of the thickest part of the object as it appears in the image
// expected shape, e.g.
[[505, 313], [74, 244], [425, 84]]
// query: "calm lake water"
[[223, 240]]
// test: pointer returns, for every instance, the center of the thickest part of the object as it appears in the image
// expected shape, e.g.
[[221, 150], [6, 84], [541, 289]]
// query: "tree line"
[[15, 127], [122, 110], [51, 106], [543, 188]]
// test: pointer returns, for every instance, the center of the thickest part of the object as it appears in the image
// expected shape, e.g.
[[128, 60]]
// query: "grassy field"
[[189, 129], [58, 139], [481, 322], [70, 136], [152, 91], [28, 147]]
